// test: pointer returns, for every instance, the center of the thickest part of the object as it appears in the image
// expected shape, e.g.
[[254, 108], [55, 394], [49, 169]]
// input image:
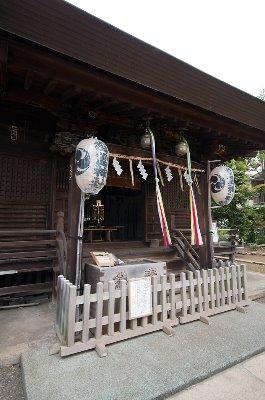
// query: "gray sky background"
[[223, 38]]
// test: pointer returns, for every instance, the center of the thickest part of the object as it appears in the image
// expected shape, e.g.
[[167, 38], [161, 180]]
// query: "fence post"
[[184, 294], [217, 288], [86, 313], [244, 282], [164, 297], [239, 283], [172, 296], [228, 287], [58, 304], [123, 306], [154, 285], [71, 316], [212, 297], [199, 291], [222, 278], [234, 285], [191, 290], [99, 310], [205, 290], [111, 310], [65, 305]]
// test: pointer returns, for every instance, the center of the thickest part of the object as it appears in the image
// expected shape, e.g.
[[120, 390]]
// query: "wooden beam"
[[49, 88], [91, 79], [70, 93], [28, 79], [54, 106], [3, 67]]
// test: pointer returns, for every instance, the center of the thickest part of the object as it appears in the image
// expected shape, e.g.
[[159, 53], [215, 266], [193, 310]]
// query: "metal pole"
[[80, 243], [210, 233]]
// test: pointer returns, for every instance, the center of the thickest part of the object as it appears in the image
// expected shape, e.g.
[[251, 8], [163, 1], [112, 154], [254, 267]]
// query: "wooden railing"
[[185, 250], [103, 317]]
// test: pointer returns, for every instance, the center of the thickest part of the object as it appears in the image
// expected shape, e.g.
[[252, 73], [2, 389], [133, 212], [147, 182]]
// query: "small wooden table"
[[103, 229]]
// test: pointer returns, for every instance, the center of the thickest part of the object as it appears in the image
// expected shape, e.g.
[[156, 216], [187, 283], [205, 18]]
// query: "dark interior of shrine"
[[118, 209]]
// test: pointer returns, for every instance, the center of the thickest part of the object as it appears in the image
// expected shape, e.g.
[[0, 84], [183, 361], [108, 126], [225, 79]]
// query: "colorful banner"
[[160, 206], [196, 237]]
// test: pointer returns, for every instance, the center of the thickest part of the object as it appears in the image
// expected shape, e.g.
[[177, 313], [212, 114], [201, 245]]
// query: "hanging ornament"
[[181, 148], [117, 166], [195, 180], [91, 165], [187, 177], [142, 170], [196, 236], [222, 185], [131, 171], [180, 179], [160, 206], [146, 141], [91, 170], [168, 174]]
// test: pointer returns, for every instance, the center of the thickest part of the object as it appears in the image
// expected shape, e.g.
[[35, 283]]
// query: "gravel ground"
[[261, 300], [11, 384]]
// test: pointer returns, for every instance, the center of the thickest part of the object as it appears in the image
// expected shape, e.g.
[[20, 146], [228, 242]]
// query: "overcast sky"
[[224, 38]]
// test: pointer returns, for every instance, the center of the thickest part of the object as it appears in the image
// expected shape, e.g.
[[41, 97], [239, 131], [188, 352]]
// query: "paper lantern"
[[91, 165], [181, 148], [222, 185], [146, 141]]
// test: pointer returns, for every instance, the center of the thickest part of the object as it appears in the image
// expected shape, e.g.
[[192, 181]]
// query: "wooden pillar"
[[60, 221], [208, 231], [74, 197]]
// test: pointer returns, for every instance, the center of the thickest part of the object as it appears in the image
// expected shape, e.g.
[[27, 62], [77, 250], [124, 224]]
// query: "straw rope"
[[171, 165]]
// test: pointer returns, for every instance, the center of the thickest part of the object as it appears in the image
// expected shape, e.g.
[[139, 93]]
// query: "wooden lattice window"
[[24, 179]]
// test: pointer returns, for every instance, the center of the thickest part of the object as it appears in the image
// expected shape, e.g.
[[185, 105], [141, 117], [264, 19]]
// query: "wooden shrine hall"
[[66, 75]]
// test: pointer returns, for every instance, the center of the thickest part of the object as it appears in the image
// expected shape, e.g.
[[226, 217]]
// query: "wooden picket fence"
[[93, 320]]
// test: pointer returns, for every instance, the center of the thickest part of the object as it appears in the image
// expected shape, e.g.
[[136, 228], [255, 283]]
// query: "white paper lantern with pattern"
[[91, 165], [222, 185]]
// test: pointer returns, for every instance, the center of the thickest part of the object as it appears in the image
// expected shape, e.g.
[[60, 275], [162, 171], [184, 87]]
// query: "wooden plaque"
[[102, 258], [140, 297]]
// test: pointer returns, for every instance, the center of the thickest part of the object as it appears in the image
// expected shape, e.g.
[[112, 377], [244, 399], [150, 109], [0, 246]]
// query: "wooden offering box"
[[132, 269]]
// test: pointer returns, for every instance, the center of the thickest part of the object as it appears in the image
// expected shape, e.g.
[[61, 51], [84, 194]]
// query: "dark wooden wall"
[[25, 178]]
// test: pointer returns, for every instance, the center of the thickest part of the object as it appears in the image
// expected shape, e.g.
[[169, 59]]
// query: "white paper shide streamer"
[[168, 174], [142, 170], [117, 166]]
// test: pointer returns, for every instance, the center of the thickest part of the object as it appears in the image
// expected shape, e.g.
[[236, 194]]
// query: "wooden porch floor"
[[137, 251]]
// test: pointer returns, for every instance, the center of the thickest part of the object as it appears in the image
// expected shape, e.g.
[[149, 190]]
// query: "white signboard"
[[140, 297], [215, 232]]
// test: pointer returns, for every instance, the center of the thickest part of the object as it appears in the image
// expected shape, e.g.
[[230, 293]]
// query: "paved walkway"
[[246, 381], [26, 326], [151, 366], [256, 284]]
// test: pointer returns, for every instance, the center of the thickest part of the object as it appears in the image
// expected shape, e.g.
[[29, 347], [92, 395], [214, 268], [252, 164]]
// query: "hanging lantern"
[[91, 165], [222, 185], [181, 148], [146, 141]]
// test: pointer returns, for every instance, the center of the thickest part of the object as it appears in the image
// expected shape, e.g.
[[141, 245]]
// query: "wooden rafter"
[[49, 88], [99, 82], [29, 79], [3, 67], [70, 93]]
